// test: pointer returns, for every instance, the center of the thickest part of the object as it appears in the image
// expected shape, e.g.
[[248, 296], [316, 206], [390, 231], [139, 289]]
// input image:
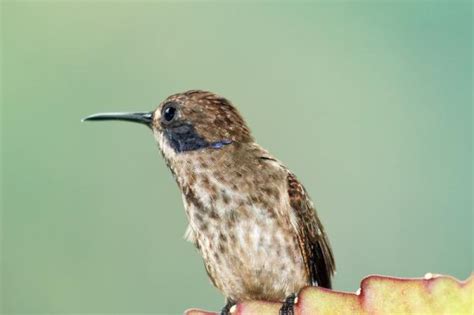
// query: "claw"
[[288, 307], [228, 308]]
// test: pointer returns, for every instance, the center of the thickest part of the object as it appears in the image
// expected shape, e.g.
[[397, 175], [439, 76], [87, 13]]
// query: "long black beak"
[[142, 118]]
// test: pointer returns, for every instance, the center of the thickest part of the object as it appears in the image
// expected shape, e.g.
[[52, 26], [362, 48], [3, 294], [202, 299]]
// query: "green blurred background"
[[369, 104]]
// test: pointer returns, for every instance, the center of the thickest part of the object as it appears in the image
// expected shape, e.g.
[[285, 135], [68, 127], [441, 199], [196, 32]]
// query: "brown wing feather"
[[313, 240]]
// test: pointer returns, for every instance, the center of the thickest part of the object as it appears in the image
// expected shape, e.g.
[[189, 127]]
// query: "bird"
[[250, 218]]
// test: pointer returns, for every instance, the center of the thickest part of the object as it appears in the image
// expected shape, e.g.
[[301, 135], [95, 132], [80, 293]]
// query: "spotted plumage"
[[250, 218]]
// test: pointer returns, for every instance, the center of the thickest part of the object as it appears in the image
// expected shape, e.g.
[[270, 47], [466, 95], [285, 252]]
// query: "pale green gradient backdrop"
[[369, 104]]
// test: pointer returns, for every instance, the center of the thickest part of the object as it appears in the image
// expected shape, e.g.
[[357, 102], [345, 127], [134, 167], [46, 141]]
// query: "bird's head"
[[190, 122]]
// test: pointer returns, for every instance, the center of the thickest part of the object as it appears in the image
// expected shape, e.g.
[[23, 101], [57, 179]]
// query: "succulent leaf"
[[433, 294]]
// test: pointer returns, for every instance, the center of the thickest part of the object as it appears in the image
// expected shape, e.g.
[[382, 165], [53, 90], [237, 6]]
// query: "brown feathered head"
[[190, 121]]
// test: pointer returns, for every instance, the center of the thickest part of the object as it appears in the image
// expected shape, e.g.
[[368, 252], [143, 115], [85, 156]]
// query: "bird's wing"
[[312, 239]]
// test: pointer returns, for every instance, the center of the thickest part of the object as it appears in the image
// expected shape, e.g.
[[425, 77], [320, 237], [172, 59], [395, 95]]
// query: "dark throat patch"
[[184, 137]]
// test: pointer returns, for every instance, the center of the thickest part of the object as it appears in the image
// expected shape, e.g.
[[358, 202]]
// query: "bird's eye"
[[169, 113]]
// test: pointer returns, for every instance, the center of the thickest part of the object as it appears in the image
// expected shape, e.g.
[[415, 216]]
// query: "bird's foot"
[[288, 307], [226, 309]]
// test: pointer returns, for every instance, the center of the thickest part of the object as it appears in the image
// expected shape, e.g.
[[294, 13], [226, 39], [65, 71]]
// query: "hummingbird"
[[250, 218]]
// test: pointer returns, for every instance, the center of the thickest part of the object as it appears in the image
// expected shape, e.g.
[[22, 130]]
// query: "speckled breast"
[[249, 250]]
